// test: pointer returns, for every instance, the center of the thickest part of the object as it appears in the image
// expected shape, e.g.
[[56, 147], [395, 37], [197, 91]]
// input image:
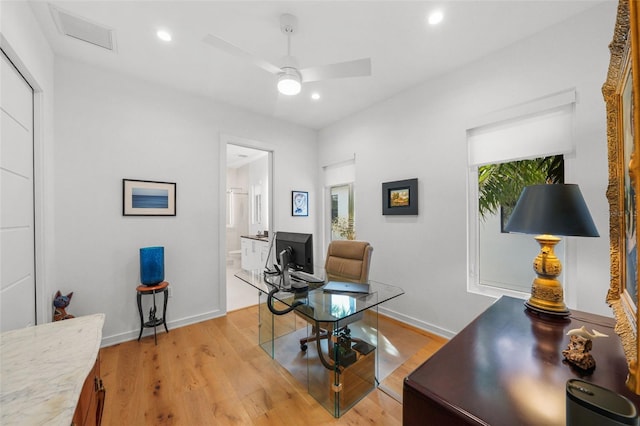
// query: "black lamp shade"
[[555, 209]]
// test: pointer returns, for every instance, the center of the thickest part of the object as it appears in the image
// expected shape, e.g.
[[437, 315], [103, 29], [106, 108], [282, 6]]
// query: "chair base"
[[322, 334], [316, 334]]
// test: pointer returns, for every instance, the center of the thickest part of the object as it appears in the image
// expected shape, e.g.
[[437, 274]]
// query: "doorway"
[[248, 214]]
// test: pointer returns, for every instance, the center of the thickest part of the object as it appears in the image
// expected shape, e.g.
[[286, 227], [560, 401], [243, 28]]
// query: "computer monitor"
[[300, 250]]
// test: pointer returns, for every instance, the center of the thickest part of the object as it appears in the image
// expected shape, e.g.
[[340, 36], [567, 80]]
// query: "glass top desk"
[[338, 370]]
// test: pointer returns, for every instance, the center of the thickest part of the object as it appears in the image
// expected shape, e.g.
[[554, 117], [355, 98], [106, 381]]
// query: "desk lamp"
[[546, 211]]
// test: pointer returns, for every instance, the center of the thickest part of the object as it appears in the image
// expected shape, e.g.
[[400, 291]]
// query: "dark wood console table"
[[506, 368]]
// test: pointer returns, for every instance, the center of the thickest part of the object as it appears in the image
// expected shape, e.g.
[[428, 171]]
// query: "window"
[[339, 194], [504, 257], [342, 215], [508, 150]]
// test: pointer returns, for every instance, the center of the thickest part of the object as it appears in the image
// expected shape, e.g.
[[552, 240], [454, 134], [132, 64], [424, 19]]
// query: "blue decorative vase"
[[151, 265]]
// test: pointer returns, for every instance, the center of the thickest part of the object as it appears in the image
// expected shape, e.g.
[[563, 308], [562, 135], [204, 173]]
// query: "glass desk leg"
[[273, 328], [352, 351]]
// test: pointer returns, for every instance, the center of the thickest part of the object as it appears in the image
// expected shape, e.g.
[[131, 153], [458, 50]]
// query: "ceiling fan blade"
[[357, 68], [239, 52]]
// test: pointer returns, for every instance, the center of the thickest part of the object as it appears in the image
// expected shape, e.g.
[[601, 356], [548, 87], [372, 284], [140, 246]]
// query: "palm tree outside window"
[[342, 212], [500, 185]]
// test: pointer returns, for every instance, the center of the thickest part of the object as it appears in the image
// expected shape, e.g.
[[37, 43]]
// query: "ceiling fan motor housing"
[[288, 23]]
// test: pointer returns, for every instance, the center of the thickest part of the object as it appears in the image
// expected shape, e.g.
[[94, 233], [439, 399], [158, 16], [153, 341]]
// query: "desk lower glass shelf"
[[340, 368]]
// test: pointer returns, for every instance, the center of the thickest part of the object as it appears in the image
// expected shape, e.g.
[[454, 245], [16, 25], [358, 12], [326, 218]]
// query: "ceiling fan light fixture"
[[289, 82]]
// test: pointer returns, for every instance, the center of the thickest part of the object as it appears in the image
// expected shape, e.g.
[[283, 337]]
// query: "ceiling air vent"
[[82, 29]]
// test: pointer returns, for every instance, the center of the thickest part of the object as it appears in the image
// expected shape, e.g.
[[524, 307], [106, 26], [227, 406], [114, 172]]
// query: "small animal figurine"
[[60, 304], [580, 344], [582, 332]]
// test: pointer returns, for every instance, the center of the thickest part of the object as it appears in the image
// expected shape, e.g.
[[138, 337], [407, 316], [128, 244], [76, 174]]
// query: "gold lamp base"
[[547, 296]]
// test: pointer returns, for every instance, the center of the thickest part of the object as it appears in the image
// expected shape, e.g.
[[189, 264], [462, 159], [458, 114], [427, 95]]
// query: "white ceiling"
[[238, 156], [403, 48]]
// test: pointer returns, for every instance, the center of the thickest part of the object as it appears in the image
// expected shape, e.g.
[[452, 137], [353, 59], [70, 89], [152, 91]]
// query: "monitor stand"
[[296, 285], [289, 283]]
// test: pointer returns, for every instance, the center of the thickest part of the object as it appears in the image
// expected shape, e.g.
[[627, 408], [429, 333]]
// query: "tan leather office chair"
[[347, 260]]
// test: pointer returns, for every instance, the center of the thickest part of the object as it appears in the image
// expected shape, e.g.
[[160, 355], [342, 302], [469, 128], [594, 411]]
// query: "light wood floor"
[[214, 373]]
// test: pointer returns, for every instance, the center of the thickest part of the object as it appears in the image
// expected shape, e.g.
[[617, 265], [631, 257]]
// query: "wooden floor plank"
[[214, 372]]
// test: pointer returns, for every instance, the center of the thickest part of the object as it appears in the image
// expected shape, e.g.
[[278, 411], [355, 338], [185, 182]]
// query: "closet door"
[[17, 246]]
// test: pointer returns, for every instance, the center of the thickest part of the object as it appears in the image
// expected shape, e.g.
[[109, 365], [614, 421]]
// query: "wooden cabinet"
[[49, 372], [507, 368], [91, 402]]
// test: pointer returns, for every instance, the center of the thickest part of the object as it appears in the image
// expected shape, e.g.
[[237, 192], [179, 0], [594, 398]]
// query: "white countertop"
[[43, 368], [256, 237]]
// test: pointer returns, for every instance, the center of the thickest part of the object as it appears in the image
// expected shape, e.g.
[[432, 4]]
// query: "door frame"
[[222, 201]]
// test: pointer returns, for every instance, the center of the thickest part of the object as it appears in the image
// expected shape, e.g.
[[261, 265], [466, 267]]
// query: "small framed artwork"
[[299, 203], [400, 197], [148, 198]]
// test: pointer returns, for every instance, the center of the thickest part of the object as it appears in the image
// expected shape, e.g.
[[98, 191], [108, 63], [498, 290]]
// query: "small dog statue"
[[60, 304]]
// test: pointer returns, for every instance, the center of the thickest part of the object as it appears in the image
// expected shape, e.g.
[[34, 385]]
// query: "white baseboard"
[[133, 334], [416, 323]]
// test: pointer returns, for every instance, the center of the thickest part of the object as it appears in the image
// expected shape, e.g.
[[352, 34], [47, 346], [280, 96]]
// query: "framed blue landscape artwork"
[[148, 198]]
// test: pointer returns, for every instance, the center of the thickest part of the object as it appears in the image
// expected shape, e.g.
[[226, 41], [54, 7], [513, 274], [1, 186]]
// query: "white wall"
[[26, 46], [421, 133], [237, 178], [110, 127]]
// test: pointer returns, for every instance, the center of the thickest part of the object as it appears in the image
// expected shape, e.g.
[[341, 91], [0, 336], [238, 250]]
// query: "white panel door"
[[17, 251]]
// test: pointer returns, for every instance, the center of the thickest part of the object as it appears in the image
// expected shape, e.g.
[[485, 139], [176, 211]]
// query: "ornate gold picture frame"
[[622, 99]]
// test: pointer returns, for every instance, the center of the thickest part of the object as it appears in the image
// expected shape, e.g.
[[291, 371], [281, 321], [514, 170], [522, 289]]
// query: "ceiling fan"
[[290, 78]]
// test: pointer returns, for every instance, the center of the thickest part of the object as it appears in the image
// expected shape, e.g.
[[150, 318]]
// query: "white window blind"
[[340, 173], [537, 129]]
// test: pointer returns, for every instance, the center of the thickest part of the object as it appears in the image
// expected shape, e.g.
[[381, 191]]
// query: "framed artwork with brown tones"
[[400, 197], [621, 96]]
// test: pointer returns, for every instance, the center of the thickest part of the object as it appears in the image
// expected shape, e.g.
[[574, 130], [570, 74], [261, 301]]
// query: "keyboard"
[[303, 276]]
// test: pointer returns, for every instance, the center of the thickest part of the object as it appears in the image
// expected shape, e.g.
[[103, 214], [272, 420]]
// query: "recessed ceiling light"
[[315, 96], [435, 17], [163, 35]]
